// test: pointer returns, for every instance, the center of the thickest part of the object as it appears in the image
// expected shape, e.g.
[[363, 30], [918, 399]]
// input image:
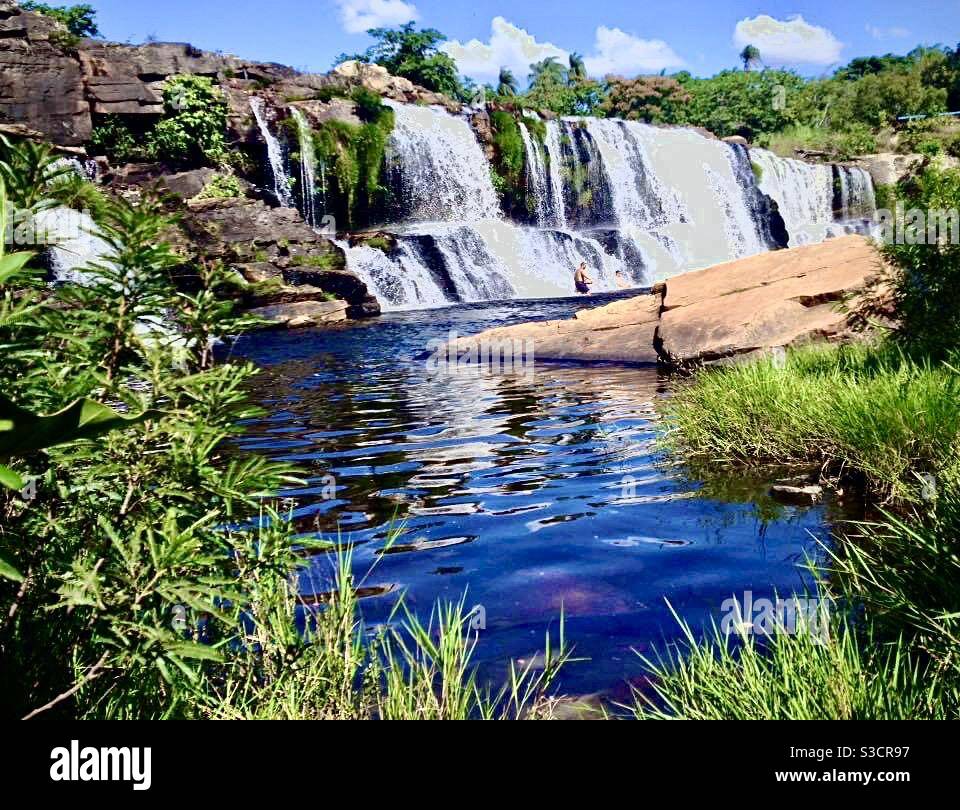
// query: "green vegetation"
[[145, 568], [509, 158], [191, 133], [79, 20], [885, 416], [414, 55], [354, 158], [221, 186]]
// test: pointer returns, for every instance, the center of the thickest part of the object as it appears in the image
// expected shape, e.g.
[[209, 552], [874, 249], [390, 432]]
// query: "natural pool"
[[532, 493]]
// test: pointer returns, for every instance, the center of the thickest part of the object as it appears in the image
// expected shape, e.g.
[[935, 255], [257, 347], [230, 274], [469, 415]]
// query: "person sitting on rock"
[[582, 280]]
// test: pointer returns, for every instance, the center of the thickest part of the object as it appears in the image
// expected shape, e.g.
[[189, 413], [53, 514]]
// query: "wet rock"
[[621, 332], [302, 314], [797, 494]]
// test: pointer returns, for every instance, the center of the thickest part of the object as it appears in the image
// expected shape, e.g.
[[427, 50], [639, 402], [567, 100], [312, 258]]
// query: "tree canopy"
[[80, 20]]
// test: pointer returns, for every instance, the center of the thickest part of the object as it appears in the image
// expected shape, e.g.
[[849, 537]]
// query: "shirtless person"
[[581, 280]]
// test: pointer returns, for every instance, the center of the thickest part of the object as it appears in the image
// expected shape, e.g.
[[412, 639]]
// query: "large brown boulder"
[[41, 82], [765, 301], [718, 314], [621, 332]]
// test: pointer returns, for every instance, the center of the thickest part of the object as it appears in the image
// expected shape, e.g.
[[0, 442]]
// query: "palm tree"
[[548, 69], [507, 83], [578, 70], [750, 56]]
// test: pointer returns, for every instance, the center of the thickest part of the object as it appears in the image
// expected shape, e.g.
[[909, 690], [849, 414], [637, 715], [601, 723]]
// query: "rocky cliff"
[[58, 88]]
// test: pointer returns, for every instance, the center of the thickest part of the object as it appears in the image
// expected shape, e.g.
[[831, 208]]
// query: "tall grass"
[[866, 409], [788, 677]]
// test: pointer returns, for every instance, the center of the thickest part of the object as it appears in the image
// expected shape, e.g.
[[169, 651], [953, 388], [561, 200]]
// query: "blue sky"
[[618, 36]]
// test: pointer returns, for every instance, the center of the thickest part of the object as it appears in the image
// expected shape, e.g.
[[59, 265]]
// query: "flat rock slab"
[[763, 302], [621, 332], [302, 314], [721, 313]]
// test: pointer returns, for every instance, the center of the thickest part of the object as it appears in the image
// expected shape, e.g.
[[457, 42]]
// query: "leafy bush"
[[79, 20], [192, 131], [221, 186], [927, 276], [114, 139]]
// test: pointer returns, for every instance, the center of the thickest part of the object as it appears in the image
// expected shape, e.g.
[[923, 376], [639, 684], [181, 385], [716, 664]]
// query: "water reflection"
[[537, 493]]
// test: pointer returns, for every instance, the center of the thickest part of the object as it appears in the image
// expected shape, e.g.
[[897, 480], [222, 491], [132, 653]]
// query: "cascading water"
[[75, 249], [309, 191], [453, 243], [538, 181], [281, 184], [803, 192], [438, 167], [624, 197], [857, 196]]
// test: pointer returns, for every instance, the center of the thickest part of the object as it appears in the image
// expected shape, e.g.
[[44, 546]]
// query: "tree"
[[507, 83], [80, 20], [652, 99], [750, 56], [578, 70], [414, 55], [547, 71]]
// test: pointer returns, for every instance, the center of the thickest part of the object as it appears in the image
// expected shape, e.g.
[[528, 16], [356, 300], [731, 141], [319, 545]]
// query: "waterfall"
[[624, 197], [75, 248], [554, 153], [438, 168], [308, 171], [281, 184], [857, 195], [538, 183], [803, 192]]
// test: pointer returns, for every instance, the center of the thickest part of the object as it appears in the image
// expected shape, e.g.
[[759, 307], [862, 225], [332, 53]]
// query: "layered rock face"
[[722, 313], [56, 88]]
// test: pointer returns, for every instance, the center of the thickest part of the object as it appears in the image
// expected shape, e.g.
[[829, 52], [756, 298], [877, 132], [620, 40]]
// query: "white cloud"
[[616, 51], [792, 41], [358, 16], [509, 46], [894, 32]]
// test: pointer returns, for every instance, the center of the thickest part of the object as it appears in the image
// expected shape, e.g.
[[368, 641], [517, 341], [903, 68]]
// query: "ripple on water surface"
[[535, 493]]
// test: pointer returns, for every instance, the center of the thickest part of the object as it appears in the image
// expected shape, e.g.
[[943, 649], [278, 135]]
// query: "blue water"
[[531, 492]]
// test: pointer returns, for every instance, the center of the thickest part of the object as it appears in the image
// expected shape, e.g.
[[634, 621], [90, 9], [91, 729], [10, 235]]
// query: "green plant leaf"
[[9, 479], [7, 571], [12, 264], [84, 419]]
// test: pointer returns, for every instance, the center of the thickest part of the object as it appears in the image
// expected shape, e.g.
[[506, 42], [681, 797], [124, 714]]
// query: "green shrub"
[[354, 158], [79, 20], [221, 186], [193, 129], [113, 138], [927, 276]]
